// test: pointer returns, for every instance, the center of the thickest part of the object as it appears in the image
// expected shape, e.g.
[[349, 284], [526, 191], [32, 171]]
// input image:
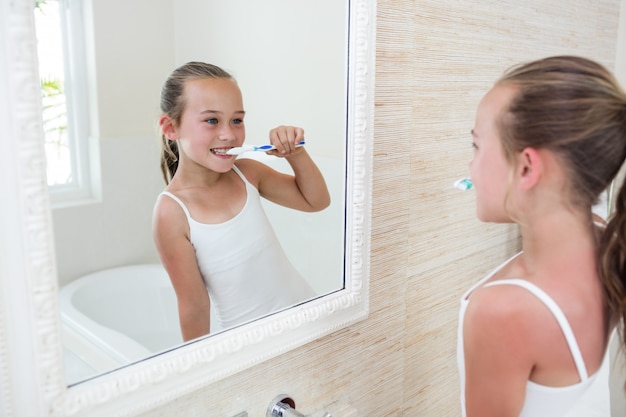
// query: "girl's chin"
[[497, 219], [223, 165]]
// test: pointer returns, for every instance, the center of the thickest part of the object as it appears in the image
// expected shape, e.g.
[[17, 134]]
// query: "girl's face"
[[489, 168], [211, 123]]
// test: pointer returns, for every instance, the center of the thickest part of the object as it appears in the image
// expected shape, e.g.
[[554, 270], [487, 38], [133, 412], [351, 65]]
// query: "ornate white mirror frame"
[[32, 381]]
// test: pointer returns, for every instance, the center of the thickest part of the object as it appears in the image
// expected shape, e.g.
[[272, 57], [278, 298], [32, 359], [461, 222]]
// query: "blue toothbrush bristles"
[[463, 184]]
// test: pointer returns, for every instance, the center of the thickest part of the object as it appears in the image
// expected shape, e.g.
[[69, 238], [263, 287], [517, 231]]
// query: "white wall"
[[620, 61], [287, 56]]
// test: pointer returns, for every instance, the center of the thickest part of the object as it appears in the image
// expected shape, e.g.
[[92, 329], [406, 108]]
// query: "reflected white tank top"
[[244, 268], [588, 398]]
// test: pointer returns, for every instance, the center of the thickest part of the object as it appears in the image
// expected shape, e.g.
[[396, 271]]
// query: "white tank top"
[[589, 397], [244, 268]]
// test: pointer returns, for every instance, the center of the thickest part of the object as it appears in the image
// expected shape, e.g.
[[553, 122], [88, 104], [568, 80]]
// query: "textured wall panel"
[[435, 59]]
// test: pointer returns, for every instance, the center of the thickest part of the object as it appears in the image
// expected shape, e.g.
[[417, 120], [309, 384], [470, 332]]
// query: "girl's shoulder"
[[169, 220], [500, 323], [502, 302], [505, 292], [506, 317], [166, 207]]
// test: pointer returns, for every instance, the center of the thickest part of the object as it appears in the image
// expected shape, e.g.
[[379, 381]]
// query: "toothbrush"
[[464, 184], [253, 148]]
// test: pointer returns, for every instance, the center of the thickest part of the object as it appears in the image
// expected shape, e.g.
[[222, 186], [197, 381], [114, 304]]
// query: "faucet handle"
[[285, 406]]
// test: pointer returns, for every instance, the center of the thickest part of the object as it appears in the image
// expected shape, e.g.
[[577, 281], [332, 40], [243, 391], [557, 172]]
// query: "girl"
[[209, 227], [549, 138]]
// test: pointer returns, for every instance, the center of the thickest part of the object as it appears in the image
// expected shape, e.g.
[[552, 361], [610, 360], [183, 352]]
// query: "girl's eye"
[[237, 121], [212, 121], [474, 146]]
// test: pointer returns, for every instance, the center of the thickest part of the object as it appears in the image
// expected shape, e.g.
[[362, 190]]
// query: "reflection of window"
[[60, 33]]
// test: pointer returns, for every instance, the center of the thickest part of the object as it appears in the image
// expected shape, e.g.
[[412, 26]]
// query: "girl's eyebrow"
[[473, 133], [219, 112]]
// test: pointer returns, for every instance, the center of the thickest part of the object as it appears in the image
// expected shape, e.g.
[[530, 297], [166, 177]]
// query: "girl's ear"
[[168, 127], [530, 168]]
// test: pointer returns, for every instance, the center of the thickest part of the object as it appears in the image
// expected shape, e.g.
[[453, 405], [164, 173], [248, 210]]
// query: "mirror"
[[29, 274], [290, 72]]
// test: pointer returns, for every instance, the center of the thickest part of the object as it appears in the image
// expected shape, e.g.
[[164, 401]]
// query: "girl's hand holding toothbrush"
[[287, 140]]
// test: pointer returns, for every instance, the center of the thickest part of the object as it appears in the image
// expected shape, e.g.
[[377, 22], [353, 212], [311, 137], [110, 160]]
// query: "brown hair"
[[173, 105], [576, 108]]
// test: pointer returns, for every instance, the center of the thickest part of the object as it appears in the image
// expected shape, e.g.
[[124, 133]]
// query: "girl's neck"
[[196, 178], [557, 241]]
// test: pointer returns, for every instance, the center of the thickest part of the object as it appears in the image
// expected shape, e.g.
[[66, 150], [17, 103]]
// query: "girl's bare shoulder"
[[507, 314], [168, 216]]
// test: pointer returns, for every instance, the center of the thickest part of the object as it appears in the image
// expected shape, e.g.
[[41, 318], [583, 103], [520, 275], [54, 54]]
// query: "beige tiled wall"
[[435, 59]]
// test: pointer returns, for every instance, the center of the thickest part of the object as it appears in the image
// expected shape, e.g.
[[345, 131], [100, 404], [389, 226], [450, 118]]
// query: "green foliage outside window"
[[54, 111]]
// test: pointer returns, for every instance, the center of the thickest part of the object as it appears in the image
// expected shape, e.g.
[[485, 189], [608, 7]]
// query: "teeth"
[[219, 151]]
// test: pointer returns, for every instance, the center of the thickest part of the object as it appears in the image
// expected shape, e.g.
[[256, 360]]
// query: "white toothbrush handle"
[[253, 148]]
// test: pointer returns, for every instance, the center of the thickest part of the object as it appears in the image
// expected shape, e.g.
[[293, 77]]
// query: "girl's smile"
[[221, 152]]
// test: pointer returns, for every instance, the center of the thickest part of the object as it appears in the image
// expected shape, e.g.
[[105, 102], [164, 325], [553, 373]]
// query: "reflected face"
[[489, 168], [211, 124]]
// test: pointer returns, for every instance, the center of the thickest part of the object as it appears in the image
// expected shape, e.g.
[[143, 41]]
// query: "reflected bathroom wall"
[[289, 58]]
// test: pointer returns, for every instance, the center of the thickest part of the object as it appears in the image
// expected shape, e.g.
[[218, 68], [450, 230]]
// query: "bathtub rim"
[[101, 347]]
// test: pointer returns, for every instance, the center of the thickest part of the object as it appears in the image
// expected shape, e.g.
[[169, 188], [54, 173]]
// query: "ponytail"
[[612, 257], [169, 158]]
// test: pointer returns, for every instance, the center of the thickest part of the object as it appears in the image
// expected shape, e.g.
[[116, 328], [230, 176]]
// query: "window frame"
[[76, 34]]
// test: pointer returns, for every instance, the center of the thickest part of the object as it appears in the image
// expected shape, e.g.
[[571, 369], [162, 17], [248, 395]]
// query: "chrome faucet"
[[284, 406]]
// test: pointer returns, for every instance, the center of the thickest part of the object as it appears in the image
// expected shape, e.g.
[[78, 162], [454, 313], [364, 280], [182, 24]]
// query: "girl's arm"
[[498, 349], [305, 190], [171, 237]]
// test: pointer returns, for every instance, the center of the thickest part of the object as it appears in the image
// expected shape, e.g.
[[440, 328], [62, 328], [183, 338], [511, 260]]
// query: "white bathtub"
[[113, 317]]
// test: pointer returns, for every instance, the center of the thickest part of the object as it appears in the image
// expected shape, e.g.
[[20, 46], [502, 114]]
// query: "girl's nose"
[[226, 133]]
